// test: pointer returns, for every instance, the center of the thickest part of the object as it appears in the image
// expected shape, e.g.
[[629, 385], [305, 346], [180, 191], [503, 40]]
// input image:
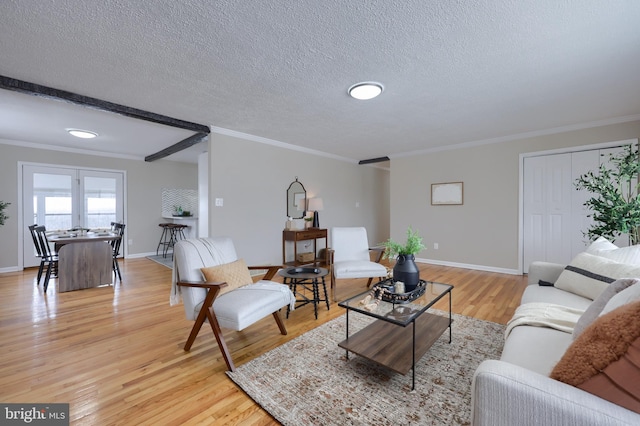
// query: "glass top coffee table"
[[403, 331]]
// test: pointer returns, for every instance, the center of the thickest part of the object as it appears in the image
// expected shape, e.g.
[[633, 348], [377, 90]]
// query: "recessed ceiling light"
[[84, 134], [365, 90]]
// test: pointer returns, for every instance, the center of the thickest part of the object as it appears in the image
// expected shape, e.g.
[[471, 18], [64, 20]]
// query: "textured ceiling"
[[461, 72]]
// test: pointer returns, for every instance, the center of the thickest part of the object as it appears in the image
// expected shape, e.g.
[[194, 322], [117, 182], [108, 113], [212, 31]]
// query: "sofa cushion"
[[241, 308], [589, 275], [605, 359], [534, 293], [535, 348], [358, 269], [604, 248], [595, 309], [235, 274]]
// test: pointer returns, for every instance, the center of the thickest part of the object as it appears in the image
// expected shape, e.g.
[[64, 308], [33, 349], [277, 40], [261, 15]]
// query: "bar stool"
[[165, 239], [178, 232], [171, 233]]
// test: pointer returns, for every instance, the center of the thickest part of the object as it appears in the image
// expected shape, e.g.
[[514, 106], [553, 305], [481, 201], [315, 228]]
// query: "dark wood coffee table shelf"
[[391, 345]]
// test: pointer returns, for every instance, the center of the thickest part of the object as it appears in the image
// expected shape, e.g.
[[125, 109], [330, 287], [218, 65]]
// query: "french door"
[[62, 198]]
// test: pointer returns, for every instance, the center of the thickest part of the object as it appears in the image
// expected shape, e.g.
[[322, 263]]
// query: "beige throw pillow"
[[235, 274], [588, 275]]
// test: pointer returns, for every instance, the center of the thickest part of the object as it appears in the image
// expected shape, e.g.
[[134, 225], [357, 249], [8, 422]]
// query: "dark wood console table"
[[296, 235]]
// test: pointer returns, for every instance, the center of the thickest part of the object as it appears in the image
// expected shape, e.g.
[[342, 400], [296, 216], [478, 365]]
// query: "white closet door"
[[547, 209], [554, 216], [534, 209], [581, 163], [557, 234]]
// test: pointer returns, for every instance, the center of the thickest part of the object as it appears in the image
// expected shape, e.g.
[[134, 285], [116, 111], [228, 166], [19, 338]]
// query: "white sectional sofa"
[[517, 389]]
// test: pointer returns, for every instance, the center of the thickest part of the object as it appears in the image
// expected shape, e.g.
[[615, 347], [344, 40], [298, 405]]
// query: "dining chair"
[[36, 244], [350, 256], [48, 257], [118, 229]]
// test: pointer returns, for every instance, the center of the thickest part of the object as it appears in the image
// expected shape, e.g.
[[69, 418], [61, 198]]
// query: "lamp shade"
[[315, 204]]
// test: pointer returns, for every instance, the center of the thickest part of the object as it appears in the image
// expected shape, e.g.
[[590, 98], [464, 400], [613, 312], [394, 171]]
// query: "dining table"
[[85, 259]]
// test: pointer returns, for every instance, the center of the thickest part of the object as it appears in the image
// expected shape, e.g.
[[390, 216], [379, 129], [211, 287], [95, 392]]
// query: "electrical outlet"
[[130, 241], [435, 246], [219, 202]]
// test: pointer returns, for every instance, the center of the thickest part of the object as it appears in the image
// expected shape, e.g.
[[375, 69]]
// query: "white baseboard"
[[139, 255], [10, 269], [469, 266]]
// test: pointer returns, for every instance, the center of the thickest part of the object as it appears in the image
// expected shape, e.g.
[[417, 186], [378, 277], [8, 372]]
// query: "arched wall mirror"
[[296, 200]]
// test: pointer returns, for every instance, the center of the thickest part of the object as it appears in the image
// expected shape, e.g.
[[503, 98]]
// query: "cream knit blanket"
[[541, 314]]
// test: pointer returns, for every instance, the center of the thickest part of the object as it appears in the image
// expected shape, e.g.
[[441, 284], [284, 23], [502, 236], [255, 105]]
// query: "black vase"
[[405, 270]]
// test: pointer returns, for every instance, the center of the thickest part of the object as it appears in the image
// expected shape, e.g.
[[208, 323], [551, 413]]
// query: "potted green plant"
[[615, 204], [3, 216], [307, 221], [405, 269]]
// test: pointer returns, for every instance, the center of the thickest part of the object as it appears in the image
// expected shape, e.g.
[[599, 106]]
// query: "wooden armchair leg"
[[222, 344], [281, 326], [206, 312], [202, 316]]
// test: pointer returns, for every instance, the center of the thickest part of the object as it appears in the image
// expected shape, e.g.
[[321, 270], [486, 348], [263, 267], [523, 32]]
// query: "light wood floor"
[[115, 353]]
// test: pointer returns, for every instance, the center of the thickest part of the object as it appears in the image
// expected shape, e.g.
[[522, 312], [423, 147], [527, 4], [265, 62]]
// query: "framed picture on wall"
[[448, 193]]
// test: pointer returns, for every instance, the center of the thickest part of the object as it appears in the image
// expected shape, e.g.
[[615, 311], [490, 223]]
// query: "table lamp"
[[315, 205]]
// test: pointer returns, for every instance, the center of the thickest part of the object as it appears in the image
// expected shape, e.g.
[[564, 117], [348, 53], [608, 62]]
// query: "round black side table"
[[306, 278]]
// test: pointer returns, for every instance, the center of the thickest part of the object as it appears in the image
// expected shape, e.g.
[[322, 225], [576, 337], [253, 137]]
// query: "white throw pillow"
[[588, 275], [605, 248], [600, 244], [629, 255]]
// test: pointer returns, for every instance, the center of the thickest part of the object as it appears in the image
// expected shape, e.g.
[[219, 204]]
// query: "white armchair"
[[235, 309], [349, 256]]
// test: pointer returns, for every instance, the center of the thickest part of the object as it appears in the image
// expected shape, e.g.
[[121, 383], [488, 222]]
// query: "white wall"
[[252, 178], [203, 195], [483, 233]]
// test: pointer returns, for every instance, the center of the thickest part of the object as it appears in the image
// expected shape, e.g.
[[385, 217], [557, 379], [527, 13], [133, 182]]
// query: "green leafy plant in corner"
[[412, 246], [3, 216], [615, 204]]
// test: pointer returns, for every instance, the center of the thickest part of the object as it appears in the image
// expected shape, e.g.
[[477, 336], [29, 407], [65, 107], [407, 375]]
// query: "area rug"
[[166, 261], [309, 381]]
